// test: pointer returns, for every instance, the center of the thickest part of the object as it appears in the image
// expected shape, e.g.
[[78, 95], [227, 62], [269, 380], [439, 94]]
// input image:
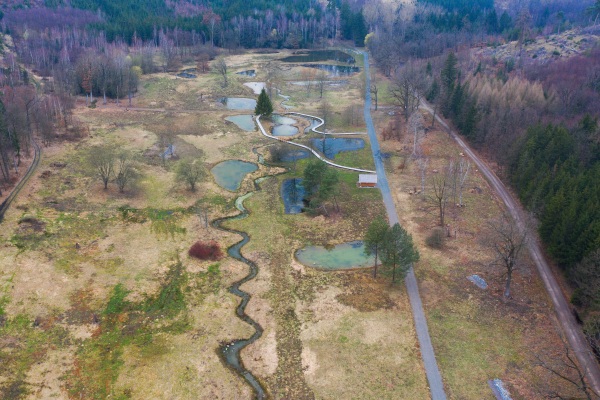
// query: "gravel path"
[[436, 386]]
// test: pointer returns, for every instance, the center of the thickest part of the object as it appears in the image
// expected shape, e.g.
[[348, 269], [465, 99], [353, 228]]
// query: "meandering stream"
[[230, 351]]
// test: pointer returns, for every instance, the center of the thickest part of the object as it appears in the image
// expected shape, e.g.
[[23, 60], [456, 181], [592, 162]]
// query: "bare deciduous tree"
[[220, 67], [422, 164], [507, 242], [563, 364], [407, 88], [439, 197], [101, 159], [125, 172], [415, 123]]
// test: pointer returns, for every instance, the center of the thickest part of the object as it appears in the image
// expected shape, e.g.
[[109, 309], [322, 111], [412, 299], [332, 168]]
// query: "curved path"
[[574, 335], [321, 123], [36, 160], [436, 386], [320, 157]]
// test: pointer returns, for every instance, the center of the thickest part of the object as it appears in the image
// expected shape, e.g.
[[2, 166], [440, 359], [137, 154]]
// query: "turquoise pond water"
[[238, 103], [343, 256], [244, 122], [282, 120], [230, 174]]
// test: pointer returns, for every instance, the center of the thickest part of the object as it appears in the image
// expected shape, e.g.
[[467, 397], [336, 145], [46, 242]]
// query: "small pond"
[[334, 70], [283, 125], [249, 72], [186, 75], [278, 119], [343, 256], [244, 122], [333, 146], [239, 103], [230, 174], [292, 194], [256, 87], [320, 55], [284, 130], [294, 155]]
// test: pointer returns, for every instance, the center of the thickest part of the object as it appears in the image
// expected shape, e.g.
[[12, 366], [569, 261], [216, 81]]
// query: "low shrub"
[[436, 239], [206, 251]]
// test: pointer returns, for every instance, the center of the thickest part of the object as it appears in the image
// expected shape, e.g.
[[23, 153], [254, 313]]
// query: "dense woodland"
[[543, 115]]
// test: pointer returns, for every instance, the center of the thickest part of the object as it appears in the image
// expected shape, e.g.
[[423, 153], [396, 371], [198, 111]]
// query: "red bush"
[[206, 251]]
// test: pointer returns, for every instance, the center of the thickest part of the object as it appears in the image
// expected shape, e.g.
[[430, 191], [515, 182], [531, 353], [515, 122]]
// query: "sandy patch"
[[46, 377], [216, 142]]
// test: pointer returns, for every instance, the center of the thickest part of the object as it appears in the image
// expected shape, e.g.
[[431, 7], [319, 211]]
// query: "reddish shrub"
[[206, 251]]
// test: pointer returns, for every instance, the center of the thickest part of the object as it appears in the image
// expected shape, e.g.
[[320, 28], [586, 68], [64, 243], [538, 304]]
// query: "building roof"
[[367, 178]]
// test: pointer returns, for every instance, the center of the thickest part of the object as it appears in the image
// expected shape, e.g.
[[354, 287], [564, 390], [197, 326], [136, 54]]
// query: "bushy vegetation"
[[206, 251]]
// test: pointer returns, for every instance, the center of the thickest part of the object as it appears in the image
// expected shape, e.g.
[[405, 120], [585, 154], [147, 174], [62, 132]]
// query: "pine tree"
[[263, 105]]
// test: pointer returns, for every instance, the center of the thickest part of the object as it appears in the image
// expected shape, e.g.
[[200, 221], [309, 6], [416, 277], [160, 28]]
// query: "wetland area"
[[102, 296]]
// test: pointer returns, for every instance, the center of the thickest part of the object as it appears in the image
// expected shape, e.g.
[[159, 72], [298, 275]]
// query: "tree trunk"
[[375, 268], [507, 287]]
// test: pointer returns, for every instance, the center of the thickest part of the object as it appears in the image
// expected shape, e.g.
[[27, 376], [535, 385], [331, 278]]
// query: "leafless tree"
[[125, 172], [101, 159], [507, 241], [374, 91], [220, 67], [422, 164], [563, 364], [440, 193], [463, 172], [321, 79], [415, 123], [407, 89]]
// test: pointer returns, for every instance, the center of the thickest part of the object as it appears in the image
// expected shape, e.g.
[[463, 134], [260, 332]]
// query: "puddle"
[[292, 194], [319, 56], [230, 174], [343, 256], [332, 146], [249, 72], [239, 103], [186, 75], [244, 122]]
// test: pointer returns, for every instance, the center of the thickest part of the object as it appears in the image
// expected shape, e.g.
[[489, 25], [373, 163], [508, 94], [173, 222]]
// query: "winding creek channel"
[[230, 351]]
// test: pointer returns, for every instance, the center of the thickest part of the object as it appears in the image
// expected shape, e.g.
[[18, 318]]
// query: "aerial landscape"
[[300, 199]]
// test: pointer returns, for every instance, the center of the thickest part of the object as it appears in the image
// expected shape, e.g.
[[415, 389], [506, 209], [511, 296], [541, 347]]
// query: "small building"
[[367, 181]]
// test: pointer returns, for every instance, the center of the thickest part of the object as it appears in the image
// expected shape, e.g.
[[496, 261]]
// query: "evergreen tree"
[[398, 251], [375, 239], [263, 105]]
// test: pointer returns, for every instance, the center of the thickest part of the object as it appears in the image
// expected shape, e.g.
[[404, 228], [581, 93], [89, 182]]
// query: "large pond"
[[230, 174], [334, 70], [320, 56], [244, 122], [332, 146], [239, 103], [343, 256], [292, 193]]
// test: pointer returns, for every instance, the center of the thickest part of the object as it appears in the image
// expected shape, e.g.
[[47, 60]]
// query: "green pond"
[[244, 122], [343, 256], [238, 103], [230, 174]]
